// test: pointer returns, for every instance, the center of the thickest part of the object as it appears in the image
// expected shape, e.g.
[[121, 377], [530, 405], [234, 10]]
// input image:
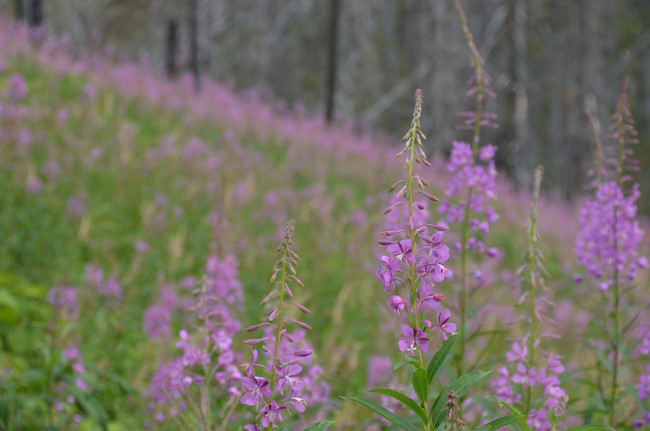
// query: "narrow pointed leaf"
[[438, 412], [392, 417], [519, 415], [438, 359], [400, 364], [407, 401], [497, 423], [421, 385]]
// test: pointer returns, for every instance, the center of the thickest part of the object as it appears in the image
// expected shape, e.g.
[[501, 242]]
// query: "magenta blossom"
[[255, 390], [444, 326], [413, 340], [271, 414], [397, 304], [402, 251]]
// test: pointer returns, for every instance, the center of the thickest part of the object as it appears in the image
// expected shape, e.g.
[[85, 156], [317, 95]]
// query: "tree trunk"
[[36, 13], [19, 10], [521, 154], [171, 49], [194, 44], [331, 60]]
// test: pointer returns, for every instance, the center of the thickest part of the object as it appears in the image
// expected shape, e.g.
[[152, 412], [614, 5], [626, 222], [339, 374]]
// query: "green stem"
[[464, 232], [476, 59], [278, 328], [615, 314], [533, 286], [413, 275]]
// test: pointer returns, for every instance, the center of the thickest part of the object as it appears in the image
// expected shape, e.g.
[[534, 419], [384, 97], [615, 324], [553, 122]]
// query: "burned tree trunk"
[[36, 13], [171, 49], [332, 60], [194, 44], [19, 10]]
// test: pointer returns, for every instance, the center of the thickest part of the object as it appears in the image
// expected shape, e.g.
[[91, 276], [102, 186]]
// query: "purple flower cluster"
[[207, 356], [480, 179], [64, 299], [643, 386], [287, 379], [110, 288], [609, 235], [415, 253], [526, 375], [158, 317]]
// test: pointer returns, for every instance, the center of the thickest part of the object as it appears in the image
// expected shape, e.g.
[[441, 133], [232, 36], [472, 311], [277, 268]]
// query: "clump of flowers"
[[609, 236], [65, 302], [279, 384], [182, 388]]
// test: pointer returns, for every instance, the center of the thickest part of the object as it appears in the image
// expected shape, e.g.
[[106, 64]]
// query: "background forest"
[[549, 59]]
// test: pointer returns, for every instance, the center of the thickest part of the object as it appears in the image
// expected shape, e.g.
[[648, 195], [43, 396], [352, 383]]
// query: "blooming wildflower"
[[17, 87], [255, 390], [65, 299], [402, 251], [33, 185], [644, 385], [415, 251], [444, 326], [413, 340], [397, 304], [290, 375], [519, 352], [271, 414], [288, 357], [554, 363], [386, 273], [609, 235], [525, 376]]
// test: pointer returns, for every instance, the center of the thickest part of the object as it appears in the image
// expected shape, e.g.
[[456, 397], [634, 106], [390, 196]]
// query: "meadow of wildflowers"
[[142, 286]]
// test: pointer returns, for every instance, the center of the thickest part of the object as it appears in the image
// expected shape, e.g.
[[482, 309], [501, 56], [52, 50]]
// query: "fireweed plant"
[[532, 384], [186, 389], [606, 246], [409, 272], [285, 380], [471, 185]]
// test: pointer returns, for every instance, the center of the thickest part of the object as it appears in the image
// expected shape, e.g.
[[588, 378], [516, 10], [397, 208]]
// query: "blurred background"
[[141, 141], [358, 61]]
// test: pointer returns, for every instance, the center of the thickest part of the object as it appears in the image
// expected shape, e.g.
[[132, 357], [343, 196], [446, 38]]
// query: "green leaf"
[[519, 415], [384, 413], [402, 363], [407, 401], [9, 308], [319, 426], [421, 385], [439, 357], [497, 423], [459, 386], [590, 428]]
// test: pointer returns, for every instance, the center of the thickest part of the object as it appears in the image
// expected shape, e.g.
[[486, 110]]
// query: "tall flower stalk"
[[276, 386], [415, 252], [609, 235], [519, 389], [412, 266], [471, 182]]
